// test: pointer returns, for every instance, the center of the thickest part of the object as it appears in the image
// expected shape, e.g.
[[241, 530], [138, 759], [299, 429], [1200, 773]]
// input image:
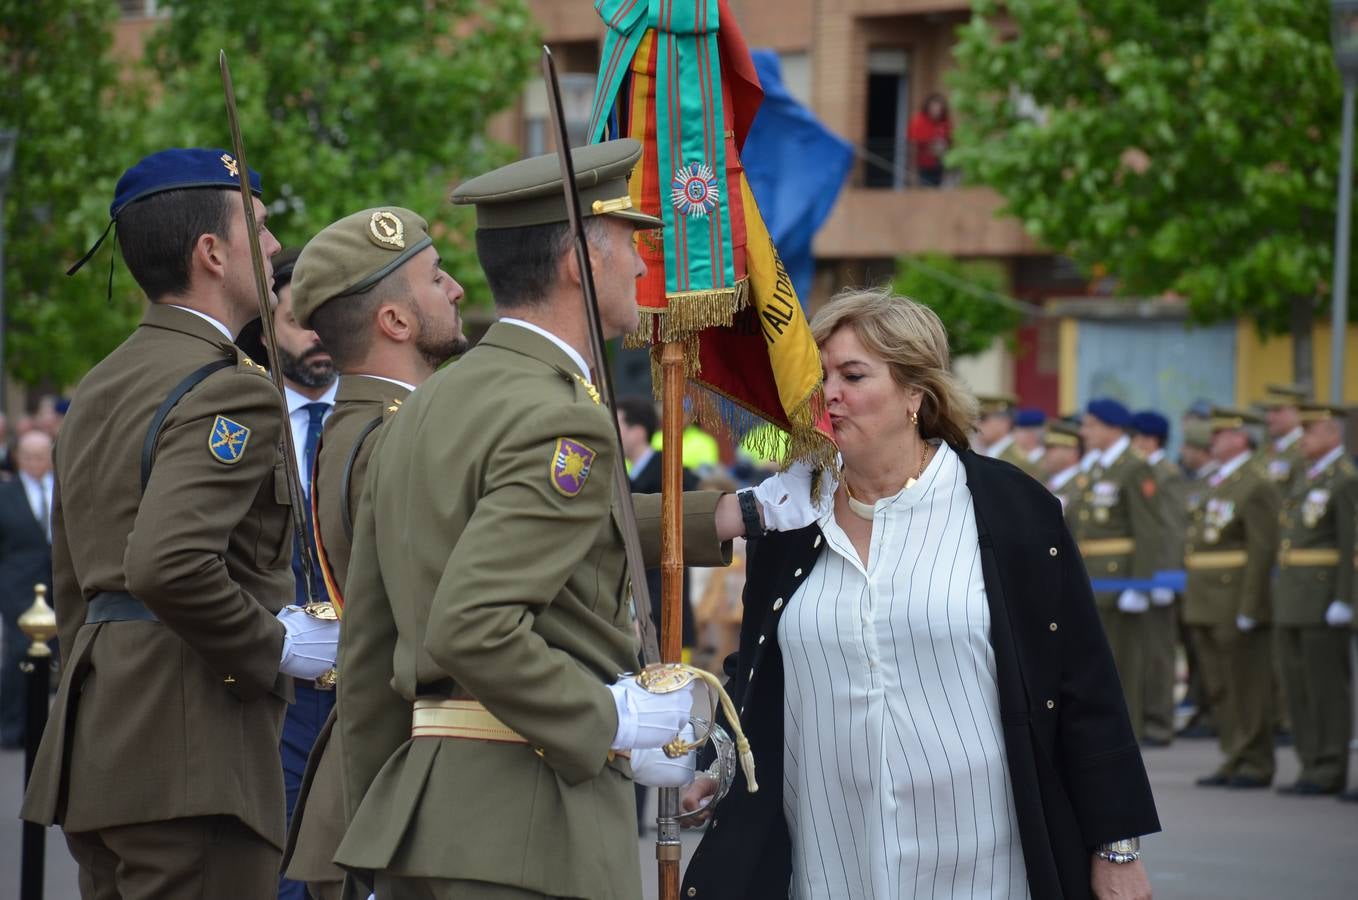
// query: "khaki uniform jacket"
[[1284, 468], [158, 720], [1316, 547], [477, 570], [1069, 493], [1232, 544], [1013, 454], [1119, 509], [318, 819], [1171, 486]]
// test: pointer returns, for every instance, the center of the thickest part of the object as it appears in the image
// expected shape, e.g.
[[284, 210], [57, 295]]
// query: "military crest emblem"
[[571, 462], [227, 440]]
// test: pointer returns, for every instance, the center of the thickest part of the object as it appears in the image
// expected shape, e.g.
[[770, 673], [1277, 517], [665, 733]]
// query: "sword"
[[295, 496]]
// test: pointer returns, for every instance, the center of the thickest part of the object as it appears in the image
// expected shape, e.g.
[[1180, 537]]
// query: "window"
[[577, 100], [884, 165]]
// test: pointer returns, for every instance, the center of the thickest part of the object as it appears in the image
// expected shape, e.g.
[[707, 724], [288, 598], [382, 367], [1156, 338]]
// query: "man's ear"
[[570, 260], [395, 322], [209, 254]]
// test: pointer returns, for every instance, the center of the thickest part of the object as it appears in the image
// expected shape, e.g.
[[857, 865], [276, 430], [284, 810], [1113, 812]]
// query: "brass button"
[[778, 604], [1052, 551], [1051, 704], [1112, 567], [797, 574], [761, 639], [1052, 626], [815, 543], [692, 892]]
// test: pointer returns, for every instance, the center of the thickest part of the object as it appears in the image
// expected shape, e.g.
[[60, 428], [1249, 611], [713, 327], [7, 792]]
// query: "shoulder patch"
[[1148, 488], [571, 462], [227, 441]]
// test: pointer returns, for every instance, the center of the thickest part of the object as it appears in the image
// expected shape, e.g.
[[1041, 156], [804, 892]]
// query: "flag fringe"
[[687, 313]]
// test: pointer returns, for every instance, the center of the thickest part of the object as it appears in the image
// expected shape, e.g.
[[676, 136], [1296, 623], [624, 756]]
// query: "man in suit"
[[25, 561], [485, 730], [1118, 527], [388, 314], [1229, 553], [1313, 601], [171, 558], [1150, 433]]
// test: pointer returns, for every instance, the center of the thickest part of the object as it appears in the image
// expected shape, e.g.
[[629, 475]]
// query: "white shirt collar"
[[565, 347], [995, 449], [1325, 462], [1154, 458], [409, 387], [1087, 461], [1228, 468], [1287, 440], [1062, 478], [1036, 453], [296, 400], [1110, 456], [202, 315]]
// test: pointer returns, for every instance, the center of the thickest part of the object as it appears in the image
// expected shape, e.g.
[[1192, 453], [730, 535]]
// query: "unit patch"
[[571, 462], [227, 441]]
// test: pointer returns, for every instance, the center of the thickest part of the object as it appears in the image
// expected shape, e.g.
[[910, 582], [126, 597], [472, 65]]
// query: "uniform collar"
[[530, 340], [995, 449], [376, 388], [1325, 462], [1229, 467], [187, 321], [1287, 440], [226, 332], [571, 352], [1111, 455], [1089, 459], [1154, 458], [1062, 478]]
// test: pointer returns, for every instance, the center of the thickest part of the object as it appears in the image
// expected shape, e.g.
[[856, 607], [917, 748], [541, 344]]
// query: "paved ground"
[[1217, 844]]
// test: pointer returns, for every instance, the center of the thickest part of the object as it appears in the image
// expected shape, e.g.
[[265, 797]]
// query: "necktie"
[[315, 419]]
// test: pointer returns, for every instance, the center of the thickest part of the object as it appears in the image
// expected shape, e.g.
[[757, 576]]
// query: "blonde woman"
[[933, 706]]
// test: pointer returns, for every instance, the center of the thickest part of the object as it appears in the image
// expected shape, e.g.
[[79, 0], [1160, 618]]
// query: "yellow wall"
[[1069, 342], [1262, 362]]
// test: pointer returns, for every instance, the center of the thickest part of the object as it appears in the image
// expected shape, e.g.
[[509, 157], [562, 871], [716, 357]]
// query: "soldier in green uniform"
[[1117, 524], [374, 290], [172, 568], [995, 432], [1282, 455], [1061, 464], [1195, 456], [1150, 433], [485, 730], [1312, 601], [1231, 546]]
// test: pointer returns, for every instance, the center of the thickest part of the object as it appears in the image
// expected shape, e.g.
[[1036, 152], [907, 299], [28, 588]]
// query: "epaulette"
[[245, 364], [391, 408]]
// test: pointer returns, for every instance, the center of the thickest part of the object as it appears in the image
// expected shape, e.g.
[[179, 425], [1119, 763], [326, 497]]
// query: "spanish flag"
[[677, 76]]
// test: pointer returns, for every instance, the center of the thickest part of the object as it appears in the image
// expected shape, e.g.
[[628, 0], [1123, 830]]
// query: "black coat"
[[25, 554], [1076, 770]]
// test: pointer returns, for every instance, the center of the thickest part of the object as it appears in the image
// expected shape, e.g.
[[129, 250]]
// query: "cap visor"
[[638, 219]]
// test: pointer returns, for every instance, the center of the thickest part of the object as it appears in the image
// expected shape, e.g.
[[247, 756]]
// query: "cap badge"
[[387, 230], [230, 164], [694, 190]]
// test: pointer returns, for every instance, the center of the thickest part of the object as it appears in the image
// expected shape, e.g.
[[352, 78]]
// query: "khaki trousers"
[[204, 858], [1126, 634], [390, 887], [1237, 670], [1314, 664], [1159, 687]]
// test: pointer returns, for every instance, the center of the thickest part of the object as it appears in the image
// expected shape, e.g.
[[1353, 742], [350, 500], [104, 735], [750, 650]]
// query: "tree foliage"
[[61, 91], [1180, 145], [966, 296]]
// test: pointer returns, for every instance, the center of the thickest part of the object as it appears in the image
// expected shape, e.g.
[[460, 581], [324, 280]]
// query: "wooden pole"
[[667, 846]]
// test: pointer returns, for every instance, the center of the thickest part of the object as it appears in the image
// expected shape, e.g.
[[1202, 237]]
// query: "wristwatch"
[[749, 514], [1119, 852]]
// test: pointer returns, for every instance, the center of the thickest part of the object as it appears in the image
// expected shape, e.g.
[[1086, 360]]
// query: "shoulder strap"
[[346, 514], [148, 446]]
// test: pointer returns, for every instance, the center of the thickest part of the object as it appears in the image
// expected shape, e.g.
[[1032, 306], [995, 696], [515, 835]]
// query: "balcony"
[[871, 223]]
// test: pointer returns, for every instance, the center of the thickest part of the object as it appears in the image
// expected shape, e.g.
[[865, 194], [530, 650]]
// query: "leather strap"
[[117, 606], [148, 446], [346, 514]]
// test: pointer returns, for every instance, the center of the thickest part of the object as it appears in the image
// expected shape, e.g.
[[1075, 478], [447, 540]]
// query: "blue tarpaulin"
[[796, 167]]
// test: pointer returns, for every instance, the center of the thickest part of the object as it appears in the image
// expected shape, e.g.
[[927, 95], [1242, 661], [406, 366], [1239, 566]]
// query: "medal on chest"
[[1314, 506]]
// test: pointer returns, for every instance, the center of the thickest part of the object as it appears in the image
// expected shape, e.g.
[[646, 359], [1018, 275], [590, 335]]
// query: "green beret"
[[353, 254], [529, 192]]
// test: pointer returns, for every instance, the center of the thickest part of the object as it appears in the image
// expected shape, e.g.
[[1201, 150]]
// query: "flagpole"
[[668, 849]]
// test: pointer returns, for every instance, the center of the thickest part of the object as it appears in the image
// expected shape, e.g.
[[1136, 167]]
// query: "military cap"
[[529, 192], [1321, 412], [284, 261], [996, 404], [1110, 412], [1197, 433], [352, 255], [1061, 433], [1150, 422], [175, 169], [1280, 395], [1030, 418], [1225, 418]]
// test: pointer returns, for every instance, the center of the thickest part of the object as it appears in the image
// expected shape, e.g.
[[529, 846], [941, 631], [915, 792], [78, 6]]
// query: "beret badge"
[[387, 230]]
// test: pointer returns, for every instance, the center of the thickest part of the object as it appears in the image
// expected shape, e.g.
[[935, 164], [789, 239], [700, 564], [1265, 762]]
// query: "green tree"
[[966, 295], [60, 91], [347, 105], [1180, 145]]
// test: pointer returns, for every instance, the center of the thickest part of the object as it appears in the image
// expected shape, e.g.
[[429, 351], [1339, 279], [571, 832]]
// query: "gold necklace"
[[869, 510]]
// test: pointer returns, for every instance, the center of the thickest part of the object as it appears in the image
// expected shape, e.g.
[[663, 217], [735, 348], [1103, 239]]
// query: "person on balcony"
[[930, 136]]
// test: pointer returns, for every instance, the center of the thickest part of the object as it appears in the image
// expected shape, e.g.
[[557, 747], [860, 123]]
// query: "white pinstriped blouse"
[[895, 779]]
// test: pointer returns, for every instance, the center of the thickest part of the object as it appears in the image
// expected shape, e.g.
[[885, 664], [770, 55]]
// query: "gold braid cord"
[[665, 678]]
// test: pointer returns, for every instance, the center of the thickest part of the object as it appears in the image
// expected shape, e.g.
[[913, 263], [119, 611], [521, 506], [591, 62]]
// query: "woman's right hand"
[[697, 796]]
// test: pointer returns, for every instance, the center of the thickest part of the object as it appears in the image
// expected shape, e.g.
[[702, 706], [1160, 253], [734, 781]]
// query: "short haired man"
[[1118, 527], [1231, 546], [171, 566], [1313, 600], [1282, 455], [1061, 462], [994, 429], [1028, 428], [388, 312]]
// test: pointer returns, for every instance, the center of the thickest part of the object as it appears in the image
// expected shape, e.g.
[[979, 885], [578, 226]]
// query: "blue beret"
[[178, 168], [1030, 418], [1151, 423], [1110, 412]]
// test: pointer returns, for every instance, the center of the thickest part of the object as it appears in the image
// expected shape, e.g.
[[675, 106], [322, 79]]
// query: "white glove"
[[1338, 614], [1245, 623], [1130, 601], [647, 720], [310, 645], [651, 767], [786, 497], [1162, 597]]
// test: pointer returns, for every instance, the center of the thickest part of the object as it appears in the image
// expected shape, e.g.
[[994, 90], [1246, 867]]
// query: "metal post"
[[1339, 303], [40, 624]]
